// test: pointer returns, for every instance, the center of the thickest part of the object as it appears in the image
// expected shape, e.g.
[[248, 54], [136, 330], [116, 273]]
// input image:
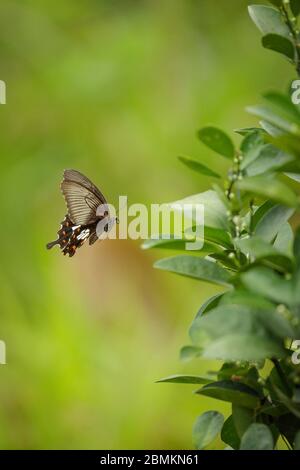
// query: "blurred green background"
[[115, 89]]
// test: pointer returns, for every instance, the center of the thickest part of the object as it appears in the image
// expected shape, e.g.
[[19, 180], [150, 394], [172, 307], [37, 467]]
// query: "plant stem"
[[282, 376], [286, 442], [290, 25], [288, 22]]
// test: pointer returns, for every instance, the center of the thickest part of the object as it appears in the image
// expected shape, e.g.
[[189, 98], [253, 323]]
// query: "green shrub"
[[252, 251]]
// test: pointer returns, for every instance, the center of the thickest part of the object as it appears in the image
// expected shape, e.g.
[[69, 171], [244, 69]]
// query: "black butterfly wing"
[[70, 237], [82, 197], [93, 237], [77, 177]]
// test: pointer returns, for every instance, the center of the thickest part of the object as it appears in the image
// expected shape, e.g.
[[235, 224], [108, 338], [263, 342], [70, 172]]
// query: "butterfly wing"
[[77, 177], [71, 237], [64, 234], [93, 237], [82, 197]]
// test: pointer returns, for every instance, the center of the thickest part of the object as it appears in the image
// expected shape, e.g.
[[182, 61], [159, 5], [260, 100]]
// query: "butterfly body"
[[83, 201]]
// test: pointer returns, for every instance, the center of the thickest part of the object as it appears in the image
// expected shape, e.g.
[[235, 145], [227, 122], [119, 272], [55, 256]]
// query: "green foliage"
[[234, 392], [197, 166], [255, 256], [257, 437], [186, 379], [279, 44], [217, 140], [192, 266], [229, 434], [206, 428], [269, 20], [295, 7], [270, 187]]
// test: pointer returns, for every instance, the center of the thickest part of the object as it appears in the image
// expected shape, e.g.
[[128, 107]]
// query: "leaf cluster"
[[252, 251]]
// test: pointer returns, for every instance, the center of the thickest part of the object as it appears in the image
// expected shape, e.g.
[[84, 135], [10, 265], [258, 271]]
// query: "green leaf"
[[253, 138], [226, 323], [269, 187], [286, 401], [215, 210], [251, 147], [280, 120], [245, 297], [242, 418], [294, 176], [257, 248], [284, 239], [280, 44], [225, 260], [280, 112], [214, 240], [213, 236], [289, 143], [198, 167], [218, 236], [195, 267], [229, 434], [265, 252], [268, 20], [276, 382], [234, 392], [243, 347], [210, 303], [206, 428], [260, 212], [189, 352], [217, 140], [248, 130], [297, 441], [295, 7], [273, 410], [268, 158], [271, 221], [267, 283], [257, 437], [185, 379], [176, 244], [222, 321], [230, 369], [270, 129], [283, 105]]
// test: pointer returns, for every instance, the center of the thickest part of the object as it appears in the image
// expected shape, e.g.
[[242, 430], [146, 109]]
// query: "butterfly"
[[86, 208]]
